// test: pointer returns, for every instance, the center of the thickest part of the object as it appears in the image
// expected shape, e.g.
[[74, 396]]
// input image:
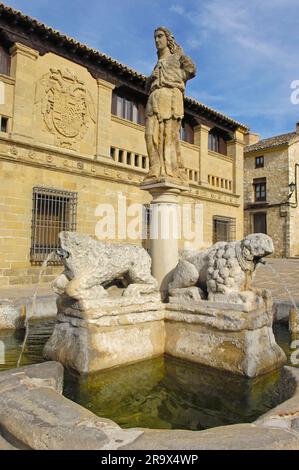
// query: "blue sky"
[[246, 51]]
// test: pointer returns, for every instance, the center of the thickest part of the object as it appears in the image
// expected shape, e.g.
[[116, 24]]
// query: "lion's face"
[[257, 245]]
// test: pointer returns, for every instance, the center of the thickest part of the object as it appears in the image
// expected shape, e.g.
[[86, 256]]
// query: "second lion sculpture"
[[223, 273]]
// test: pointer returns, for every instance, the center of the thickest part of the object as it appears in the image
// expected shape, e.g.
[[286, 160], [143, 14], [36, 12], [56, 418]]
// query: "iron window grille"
[[52, 212], [224, 229]]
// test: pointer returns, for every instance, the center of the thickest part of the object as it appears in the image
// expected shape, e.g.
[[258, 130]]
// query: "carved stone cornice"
[[68, 161]]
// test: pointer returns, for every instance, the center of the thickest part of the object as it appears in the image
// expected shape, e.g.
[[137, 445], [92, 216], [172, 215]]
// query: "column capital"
[[106, 85], [21, 49], [201, 127], [236, 141]]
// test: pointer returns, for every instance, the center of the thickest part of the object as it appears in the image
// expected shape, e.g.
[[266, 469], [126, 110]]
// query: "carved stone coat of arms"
[[66, 105]]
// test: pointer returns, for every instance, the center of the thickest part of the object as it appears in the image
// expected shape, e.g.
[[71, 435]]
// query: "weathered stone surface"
[[87, 347], [97, 319], [224, 272], [91, 267], [165, 107], [285, 415], [246, 352], [5, 445], [235, 437], [104, 285], [47, 374], [10, 316], [36, 416]]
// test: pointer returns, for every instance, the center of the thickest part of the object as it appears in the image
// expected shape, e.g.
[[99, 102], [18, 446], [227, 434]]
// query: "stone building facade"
[[270, 190], [72, 139]]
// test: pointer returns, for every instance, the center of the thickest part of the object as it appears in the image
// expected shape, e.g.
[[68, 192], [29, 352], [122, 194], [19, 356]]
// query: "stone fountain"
[[112, 310]]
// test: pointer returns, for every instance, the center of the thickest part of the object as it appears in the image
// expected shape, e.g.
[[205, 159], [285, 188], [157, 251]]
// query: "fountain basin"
[[222, 336], [34, 415]]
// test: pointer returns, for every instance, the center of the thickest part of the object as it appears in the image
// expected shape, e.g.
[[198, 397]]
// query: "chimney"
[[297, 127], [252, 138]]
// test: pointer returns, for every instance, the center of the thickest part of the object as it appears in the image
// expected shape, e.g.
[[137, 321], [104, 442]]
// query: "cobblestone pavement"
[[279, 275]]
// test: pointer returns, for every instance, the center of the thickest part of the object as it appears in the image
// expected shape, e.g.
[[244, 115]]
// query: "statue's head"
[[165, 38], [256, 246]]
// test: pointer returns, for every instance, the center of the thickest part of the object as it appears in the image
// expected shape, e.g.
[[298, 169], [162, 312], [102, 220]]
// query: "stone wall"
[[63, 140], [276, 172], [294, 211]]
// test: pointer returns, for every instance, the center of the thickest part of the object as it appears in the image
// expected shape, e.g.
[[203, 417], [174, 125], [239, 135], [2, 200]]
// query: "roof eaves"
[[41, 27]]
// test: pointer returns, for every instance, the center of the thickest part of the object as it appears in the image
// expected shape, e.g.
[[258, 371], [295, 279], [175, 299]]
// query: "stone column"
[[103, 142], [235, 149], [23, 69], [201, 138], [164, 230]]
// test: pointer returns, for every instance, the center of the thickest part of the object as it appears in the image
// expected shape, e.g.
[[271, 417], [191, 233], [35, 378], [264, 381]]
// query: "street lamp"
[[293, 189]]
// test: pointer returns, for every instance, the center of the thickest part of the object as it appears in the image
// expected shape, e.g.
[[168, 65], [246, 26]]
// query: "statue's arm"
[[148, 83], [150, 79], [188, 66]]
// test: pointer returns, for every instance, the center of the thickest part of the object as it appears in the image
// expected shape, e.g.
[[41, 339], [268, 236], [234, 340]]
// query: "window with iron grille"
[[52, 212], [224, 229]]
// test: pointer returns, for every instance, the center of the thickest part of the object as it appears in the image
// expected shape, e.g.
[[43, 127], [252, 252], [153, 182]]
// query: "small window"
[[53, 211], [224, 229], [259, 162], [4, 124], [4, 61], [260, 189]]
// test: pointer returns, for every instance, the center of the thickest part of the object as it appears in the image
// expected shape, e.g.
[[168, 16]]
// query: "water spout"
[[261, 261], [62, 253], [27, 315]]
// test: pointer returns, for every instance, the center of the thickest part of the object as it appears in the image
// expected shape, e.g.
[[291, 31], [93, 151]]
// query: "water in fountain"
[[27, 316]]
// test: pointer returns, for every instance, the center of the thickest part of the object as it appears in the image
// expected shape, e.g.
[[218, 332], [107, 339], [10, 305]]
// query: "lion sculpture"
[[92, 267], [222, 273]]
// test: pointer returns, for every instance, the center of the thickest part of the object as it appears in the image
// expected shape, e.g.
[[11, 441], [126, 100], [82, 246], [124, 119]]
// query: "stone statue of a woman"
[[165, 107]]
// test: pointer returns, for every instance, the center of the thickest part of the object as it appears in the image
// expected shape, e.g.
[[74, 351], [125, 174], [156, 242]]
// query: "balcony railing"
[[129, 159], [220, 183]]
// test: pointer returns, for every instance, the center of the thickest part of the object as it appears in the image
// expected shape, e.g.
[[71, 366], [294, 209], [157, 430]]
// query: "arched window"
[[4, 61]]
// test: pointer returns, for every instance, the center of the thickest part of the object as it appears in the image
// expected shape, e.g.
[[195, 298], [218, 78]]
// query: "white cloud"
[[179, 9]]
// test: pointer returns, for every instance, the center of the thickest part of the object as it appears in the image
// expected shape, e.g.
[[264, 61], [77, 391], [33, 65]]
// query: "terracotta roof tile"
[[270, 142]]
